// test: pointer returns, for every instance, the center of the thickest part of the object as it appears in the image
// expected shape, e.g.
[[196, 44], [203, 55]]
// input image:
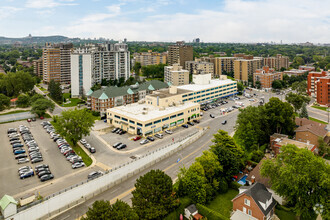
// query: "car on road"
[[116, 145], [23, 160], [168, 132], [185, 126], [94, 174], [190, 123], [46, 177], [212, 116], [27, 174], [78, 165], [224, 122], [251, 100], [160, 136], [136, 138], [144, 141], [122, 146], [150, 138]]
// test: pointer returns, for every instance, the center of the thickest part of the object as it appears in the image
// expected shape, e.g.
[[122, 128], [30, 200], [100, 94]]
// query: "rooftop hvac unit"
[[144, 112], [145, 108]]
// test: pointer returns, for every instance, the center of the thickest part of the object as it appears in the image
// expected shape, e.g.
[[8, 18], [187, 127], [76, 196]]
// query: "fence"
[[79, 193]]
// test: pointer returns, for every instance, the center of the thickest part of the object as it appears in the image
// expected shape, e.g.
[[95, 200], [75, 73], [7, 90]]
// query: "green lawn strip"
[[184, 202], [320, 107], [14, 112], [317, 120], [66, 95], [284, 213], [79, 151], [222, 203], [74, 102]]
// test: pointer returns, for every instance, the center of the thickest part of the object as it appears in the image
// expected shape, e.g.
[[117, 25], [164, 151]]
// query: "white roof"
[[213, 83], [239, 215], [134, 111]]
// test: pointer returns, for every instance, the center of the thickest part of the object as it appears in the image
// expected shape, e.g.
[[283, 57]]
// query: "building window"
[[173, 116], [148, 124], [116, 116], [130, 121], [250, 212], [165, 119], [156, 122], [124, 119], [139, 124], [247, 202]]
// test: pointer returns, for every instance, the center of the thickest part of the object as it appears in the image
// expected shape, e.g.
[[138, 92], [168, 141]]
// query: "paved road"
[[57, 110], [15, 117], [318, 114]]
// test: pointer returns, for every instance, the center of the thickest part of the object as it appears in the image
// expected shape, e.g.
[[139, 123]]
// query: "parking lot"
[[10, 182]]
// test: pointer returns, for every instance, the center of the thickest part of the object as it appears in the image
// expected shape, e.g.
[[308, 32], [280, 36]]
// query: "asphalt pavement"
[[16, 117]]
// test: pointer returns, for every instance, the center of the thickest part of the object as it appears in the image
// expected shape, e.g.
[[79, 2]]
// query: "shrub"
[[223, 186], [234, 185]]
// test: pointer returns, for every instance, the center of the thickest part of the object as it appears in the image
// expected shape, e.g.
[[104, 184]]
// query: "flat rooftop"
[[213, 83], [165, 93], [299, 144], [135, 111]]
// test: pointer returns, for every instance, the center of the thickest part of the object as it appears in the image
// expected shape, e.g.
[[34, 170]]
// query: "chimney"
[[253, 179]]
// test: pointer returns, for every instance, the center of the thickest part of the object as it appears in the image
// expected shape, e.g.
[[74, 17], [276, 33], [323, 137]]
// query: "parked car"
[[122, 146], [23, 160], [42, 169], [46, 177], [41, 173], [144, 141], [34, 119], [224, 122], [184, 126], [115, 130], [116, 145], [83, 141], [24, 168], [150, 138], [36, 160], [190, 123], [20, 156], [212, 116], [27, 174], [19, 151], [29, 120], [136, 138], [119, 130], [94, 175], [196, 121], [168, 132], [17, 145], [41, 166], [77, 165], [160, 136], [92, 150]]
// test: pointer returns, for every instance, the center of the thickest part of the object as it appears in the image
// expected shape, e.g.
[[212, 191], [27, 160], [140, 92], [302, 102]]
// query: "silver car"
[[23, 160]]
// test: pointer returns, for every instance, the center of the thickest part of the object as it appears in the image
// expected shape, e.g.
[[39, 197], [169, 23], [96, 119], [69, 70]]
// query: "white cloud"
[[39, 4], [7, 11]]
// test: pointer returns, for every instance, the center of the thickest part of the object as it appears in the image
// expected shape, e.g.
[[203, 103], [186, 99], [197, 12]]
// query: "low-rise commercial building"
[[266, 77], [176, 75], [160, 110], [112, 96]]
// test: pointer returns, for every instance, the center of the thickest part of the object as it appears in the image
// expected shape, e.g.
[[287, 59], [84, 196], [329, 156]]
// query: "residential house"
[[253, 202], [191, 212], [310, 131], [8, 206]]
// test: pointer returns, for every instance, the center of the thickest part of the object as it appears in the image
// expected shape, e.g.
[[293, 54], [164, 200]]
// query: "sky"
[[245, 21]]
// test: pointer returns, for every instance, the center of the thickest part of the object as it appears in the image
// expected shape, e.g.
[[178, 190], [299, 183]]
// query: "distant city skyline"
[[237, 21]]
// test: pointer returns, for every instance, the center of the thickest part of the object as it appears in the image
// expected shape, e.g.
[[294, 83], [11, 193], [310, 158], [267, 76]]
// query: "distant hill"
[[38, 40]]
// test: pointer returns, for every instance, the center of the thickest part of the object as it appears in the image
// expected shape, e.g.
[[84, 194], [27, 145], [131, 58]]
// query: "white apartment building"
[[175, 75], [93, 63]]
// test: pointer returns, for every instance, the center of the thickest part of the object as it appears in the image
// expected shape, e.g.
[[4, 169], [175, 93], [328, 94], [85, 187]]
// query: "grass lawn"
[[184, 202], [14, 112], [74, 101], [96, 118], [320, 107], [229, 77], [222, 203], [319, 121], [87, 160], [284, 214], [42, 89]]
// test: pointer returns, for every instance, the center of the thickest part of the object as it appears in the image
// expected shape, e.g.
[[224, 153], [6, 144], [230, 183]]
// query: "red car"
[[41, 117], [137, 138], [29, 120]]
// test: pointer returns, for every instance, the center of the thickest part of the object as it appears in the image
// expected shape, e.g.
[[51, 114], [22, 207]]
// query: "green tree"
[[258, 84], [23, 101], [35, 97], [304, 112], [121, 210], [229, 154], [74, 124], [153, 197], [280, 116], [100, 210], [193, 183], [300, 87], [55, 91], [240, 87], [4, 102], [297, 100], [40, 106], [301, 177], [276, 84], [324, 148], [137, 67]]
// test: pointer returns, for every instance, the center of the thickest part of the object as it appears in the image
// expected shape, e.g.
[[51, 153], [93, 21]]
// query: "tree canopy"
[[297, 100], [301, 178], [40, 106], [153, 197], [55, 91], [73, 124], [4, 102]]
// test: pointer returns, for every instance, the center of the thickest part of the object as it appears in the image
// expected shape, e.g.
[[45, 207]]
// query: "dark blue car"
[[17, 145], [19, 152], [27, 174]]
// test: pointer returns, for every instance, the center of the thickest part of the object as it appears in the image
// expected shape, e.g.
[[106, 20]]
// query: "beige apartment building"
[[200, 66], [175, 75], [179, 53], [56, 63], [246, 66], [161, 110], [38, 69], [221, 65], [277, 62], [150, 58]]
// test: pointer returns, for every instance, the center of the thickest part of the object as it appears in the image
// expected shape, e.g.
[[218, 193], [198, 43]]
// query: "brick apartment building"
[[277, 62], [253, 202], [245, 67], [266, 76], [318, 85], [109, 97], [179, 53]]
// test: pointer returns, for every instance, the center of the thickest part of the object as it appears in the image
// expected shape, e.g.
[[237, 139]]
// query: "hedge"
[[209, 213]]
